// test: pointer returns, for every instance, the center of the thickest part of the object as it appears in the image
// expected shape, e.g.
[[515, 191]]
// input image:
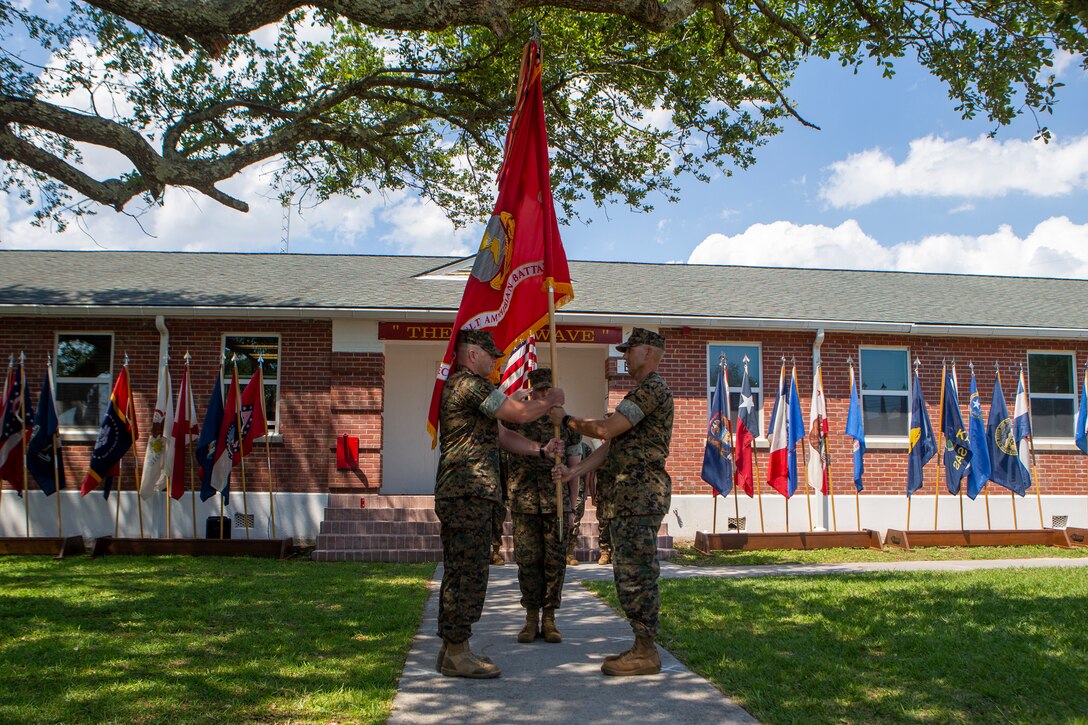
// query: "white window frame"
[[899, 439], [735, 386], [274, 428], [91, 431], [1032, 396]]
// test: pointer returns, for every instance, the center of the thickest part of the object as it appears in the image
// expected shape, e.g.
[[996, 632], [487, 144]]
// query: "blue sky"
[[893, 180]]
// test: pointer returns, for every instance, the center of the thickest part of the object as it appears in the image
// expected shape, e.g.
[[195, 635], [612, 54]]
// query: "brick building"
[[352, 344]]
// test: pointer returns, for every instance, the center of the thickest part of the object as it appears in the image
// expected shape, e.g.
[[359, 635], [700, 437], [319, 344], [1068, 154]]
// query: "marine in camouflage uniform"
[[634, 492], [468, 490], [538, 551]]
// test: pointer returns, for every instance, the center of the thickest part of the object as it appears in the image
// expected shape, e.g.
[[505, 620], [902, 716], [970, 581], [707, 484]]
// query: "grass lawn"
[[178, 639], [977, 647], [686, 555]]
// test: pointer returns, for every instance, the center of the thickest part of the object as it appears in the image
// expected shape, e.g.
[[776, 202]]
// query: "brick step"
[[375, 500], [380, 514], [361, 528]]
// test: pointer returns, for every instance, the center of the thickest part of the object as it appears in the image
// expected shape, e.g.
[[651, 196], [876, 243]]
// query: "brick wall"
[[301, 461], [684, 367]]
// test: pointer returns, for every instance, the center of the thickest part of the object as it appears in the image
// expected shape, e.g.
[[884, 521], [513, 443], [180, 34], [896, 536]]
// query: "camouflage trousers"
[[579, 512], [635, 570], [541, 560], [604, 533], [466, 555]]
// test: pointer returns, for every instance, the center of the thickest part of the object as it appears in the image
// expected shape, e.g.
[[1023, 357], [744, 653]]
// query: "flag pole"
[[56, 468], [985, 486], [826, 449], [555, 426], [910, 498], [267, 450], [940, 455], [23, 441], [3, 402], [857, 495], [188, 440], [723, 363], [714, 516], [1031, 449], [241, 453], [135, 461], [956, 385], [804, 453], [1012, 496], [755, 462]]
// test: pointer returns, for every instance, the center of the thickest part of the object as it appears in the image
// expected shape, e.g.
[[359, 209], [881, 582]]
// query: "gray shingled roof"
[[144, 281]]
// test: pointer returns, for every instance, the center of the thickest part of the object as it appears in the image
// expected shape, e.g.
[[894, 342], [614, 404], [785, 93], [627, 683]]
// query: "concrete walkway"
[[561, 683], [551, 683]]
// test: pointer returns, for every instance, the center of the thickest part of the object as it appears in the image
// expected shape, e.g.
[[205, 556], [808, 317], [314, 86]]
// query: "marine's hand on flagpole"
[[522, 394], [555, 396], [560, 473], [555, 447]]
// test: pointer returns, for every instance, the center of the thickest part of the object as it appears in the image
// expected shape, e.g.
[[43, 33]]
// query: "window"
[[734, 356], [250, 349], [885, 391], [1052, 394], [84, 376]]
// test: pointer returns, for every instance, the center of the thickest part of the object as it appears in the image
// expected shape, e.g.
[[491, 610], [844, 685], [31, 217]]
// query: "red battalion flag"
[[183, 434], [521, 252]]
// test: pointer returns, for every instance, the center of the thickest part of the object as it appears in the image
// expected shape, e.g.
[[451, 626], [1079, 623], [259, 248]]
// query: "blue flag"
[[1081, 433], [1021, 428], [922, 445], [1005, 468], [718, 455], [957, 453], [795, 431], [855, 428], [978, 471], [41, 451], [209, 437]]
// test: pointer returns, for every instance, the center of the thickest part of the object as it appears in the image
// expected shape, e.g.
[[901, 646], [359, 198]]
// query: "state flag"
[[44, 459]]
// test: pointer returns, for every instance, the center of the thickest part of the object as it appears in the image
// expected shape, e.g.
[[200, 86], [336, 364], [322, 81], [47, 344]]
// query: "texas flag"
[[747, 427]]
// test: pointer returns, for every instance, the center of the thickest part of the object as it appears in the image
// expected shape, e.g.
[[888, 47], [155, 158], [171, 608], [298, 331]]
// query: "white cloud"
[[982, 168], [419, 227], [1057, 247]]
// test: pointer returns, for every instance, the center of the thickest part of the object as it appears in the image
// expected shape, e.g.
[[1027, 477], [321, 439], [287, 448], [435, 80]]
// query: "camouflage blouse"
[[529, 483], [469, 461], [633, 480]]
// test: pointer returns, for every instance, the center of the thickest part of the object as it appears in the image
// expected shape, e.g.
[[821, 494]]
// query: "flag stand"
[[714, 516], [166, 503], [267, 451], [56, 485], [136, 475], [24, 442], [555, 426], [940, 456], [241, 446], [1031, 448], [755, 460], [804, 449], [826, 455]]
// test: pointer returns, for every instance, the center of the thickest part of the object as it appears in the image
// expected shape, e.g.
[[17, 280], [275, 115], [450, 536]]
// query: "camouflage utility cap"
[[481, 338], [642, 336], [540, 378]]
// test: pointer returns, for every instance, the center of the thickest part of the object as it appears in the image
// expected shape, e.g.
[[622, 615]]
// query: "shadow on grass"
[[196, 640], [977, 647]]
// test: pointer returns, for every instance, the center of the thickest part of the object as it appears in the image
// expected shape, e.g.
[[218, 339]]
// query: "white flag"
[[817, 427], [159, 458]]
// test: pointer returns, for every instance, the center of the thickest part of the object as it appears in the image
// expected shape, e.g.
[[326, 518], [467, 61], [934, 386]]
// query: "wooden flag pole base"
[[743, 541], [265, 548], [60, 546], [993, 537]]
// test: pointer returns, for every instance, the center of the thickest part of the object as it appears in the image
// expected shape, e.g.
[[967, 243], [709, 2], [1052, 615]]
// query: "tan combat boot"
[[571, 560], [642, 659], [548, 628], [461, 662], [497, 559], [532, 626], [441, 657], [606, 557]]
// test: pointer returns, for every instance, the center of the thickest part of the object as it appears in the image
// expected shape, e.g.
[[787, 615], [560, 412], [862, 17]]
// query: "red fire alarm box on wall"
[[347, 452]]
